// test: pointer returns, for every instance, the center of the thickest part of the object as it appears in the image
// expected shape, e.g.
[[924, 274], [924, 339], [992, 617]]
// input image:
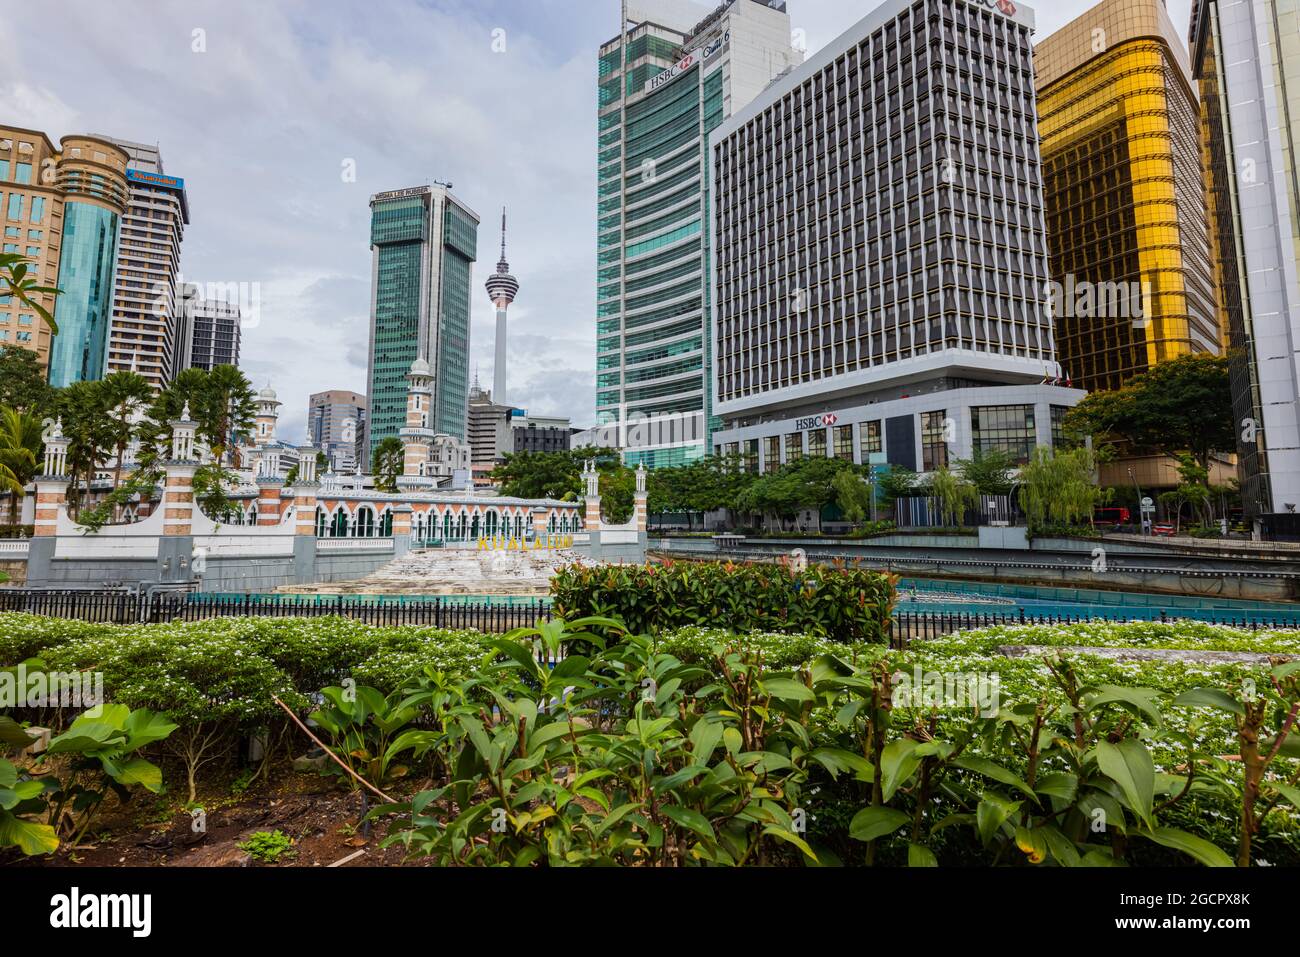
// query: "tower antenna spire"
[[503, 234]]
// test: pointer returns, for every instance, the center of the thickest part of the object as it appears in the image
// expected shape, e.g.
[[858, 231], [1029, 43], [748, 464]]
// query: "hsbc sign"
[[816, 422], [686, 62], [1005, 7]]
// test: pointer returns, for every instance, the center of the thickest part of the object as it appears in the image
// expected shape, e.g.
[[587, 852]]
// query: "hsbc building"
[[879, 278]]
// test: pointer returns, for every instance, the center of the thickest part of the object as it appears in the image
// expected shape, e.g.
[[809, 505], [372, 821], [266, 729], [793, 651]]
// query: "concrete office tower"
[[503, 288], [666, 81], [31, 206], [1126, 231], [880, 260], [214, 330], [489, 432], [1246, 57], [423, 245], [333, 419], [147, 332]]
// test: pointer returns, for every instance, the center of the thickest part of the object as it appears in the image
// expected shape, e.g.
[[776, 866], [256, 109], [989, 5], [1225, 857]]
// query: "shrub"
[[267, 847], [837, 603]]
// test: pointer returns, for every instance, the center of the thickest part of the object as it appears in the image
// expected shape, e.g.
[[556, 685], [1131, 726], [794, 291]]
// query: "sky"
[[285, 116]]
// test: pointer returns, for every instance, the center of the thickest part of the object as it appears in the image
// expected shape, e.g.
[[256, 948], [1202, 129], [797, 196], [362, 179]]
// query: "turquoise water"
[[1087, 602]]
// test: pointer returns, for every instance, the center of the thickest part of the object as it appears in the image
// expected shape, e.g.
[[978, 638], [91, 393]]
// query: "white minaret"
[[502, 287]]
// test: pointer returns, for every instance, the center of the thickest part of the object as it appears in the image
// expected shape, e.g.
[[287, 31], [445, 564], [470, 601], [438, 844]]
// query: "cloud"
[[262, 122]]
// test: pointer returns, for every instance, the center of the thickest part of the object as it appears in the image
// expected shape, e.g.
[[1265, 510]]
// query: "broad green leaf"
[[1141, 700], [12, 735], [918, 855], [994, 772], [1196, 847], [791, 838], [787, 689], [1289, 792], [705, 736], [1033, 843], [142, 772], [1209, 698], [8, 774], [31, 839], [1059, 785], [689, 818], [144, 727], [897, 762], [875, 822], [1129, 765], [991, 813]]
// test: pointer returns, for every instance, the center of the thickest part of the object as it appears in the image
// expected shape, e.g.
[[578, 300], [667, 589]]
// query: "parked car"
[[1167, 531]]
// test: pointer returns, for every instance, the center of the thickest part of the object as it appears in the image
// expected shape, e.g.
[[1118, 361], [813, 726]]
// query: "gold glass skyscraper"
[[1126, 223]]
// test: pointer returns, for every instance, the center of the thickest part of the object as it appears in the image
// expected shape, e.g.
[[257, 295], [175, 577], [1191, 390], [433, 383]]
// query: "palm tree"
[[123, 394], [225, 409], [14, 282], [20, 450], [86, 423]]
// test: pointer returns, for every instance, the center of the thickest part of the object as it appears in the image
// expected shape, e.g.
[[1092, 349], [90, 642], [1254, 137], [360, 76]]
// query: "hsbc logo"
[[1006, 7], [816, 422]]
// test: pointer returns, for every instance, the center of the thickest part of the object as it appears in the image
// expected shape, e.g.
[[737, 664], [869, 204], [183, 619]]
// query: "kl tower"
[[502, 287]]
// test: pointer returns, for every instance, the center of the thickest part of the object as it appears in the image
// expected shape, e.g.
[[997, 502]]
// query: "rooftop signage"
[[155, 179], [402, 193], [686, 62]]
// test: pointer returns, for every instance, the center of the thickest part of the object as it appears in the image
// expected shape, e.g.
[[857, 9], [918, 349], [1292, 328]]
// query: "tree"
[[989, 471], [898, 482], [20, 452], [1183, 405], [123, 395], [554, 475], [387, 463], [1059, 487], [225, 409], [14, 282], [82, 409], [23, 383], [955, 495], [852, 495]]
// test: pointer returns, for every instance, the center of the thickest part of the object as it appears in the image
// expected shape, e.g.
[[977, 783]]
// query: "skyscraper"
[[503, 288], [1246, 57], [423, 244], [31, 205], [146, 332], [333, 418], [1125, 198], [880, 263], [671, 76], [62, 210], [214, 330]]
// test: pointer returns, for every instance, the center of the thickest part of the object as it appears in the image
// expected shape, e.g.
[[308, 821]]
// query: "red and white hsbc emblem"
[[816, 422], [1007, 7]]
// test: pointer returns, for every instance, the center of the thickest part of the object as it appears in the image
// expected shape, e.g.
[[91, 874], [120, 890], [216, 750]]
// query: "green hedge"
[[844, 605]]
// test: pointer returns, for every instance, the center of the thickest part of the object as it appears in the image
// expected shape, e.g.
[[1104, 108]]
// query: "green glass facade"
[[414, 246], [652, 247], [83, 311]]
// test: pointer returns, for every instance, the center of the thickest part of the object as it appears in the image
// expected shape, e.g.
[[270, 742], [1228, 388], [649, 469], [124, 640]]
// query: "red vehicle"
[[1111, 517], [1166, 530]]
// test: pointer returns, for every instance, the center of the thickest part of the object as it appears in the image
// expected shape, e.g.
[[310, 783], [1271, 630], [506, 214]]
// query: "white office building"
[[880, 262]]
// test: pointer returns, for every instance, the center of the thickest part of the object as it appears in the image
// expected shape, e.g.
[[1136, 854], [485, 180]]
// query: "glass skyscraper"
[[423, 247], [1246, 57], [91, 175], [1124, 194], [674, 73]]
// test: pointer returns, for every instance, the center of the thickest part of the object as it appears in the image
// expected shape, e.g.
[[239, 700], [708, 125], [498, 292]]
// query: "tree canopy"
[[1183, 405]]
